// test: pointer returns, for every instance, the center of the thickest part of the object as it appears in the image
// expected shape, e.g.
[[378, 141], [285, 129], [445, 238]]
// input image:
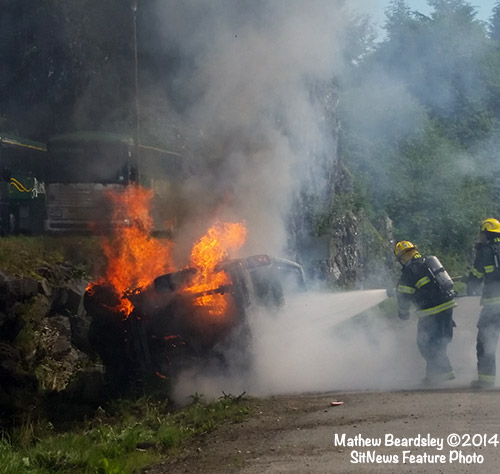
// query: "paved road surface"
[[305, 434]]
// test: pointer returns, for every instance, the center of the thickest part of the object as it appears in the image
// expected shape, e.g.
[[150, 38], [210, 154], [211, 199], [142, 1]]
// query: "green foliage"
[[56, 53], [128, 438], [439, 59], [361, 37], [24, 256], [494, 26], [420, 118], [413, 107]]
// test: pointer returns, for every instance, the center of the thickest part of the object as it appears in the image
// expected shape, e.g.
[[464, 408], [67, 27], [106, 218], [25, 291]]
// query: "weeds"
[[23, 256], [125, 436], [124, 439]]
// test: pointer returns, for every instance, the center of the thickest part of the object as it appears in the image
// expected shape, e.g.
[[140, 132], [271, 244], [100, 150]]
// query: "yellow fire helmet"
[[403, 246], [490, 225]]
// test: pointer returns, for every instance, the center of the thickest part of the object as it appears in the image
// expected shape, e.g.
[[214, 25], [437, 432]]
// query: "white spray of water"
[[313, 344]]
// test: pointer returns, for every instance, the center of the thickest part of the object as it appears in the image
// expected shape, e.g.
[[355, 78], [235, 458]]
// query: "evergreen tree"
[[453, 9], [494, 24], [398, 19], [442, 60], [65, 64], [422, 104]]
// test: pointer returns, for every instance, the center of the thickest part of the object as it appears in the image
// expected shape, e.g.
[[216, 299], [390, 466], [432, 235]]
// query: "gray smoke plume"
[[259, 77], [252, 71]]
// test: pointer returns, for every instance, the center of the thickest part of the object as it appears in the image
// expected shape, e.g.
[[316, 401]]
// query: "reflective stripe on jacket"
[[485, 271]]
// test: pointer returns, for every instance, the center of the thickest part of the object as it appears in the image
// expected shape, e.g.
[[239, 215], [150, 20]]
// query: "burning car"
[[176, 323], [151, 319]]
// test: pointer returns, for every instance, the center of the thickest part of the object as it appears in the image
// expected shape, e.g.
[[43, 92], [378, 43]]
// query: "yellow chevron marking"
[[19, 186]]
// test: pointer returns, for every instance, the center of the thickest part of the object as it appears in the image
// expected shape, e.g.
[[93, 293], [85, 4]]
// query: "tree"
[[398, 19], [449, 9], [359, 38], [494, 24], [413, 120], [442, 60], [66, 64]]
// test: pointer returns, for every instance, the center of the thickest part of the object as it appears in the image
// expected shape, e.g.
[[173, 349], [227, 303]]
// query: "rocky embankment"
[[46, 359]]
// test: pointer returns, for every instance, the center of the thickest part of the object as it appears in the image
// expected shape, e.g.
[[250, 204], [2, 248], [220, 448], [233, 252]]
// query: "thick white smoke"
[[252, 70], [259, 76], [313, 345]]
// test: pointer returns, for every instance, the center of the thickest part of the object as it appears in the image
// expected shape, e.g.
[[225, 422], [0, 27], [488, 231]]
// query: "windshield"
[[89, 163]]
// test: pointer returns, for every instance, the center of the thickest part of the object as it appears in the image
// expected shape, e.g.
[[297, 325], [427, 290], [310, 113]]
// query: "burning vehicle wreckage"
[[148, 324], [172, 328]]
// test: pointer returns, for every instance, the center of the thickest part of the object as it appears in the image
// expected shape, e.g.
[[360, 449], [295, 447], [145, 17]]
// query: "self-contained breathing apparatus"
[[495, 248], [490, 232], [439, 275]]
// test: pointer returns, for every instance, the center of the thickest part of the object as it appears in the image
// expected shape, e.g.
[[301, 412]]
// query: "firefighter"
[[429, 288], [484, 279]]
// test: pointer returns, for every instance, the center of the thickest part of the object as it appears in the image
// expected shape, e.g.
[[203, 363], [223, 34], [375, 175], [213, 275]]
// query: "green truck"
[[22, 185]]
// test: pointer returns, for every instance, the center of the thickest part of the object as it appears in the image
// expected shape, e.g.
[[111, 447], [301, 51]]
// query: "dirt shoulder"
[[303, 434]]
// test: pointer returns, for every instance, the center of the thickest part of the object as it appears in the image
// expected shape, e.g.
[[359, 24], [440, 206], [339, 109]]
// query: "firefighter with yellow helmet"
[[426, 284], [484, 279]]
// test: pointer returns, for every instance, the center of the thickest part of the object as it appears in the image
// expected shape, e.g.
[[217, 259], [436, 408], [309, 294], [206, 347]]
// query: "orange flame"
[[215, 246], [134, 258]]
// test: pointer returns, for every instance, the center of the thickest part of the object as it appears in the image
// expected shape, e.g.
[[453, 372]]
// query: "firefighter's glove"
[[404, 315]]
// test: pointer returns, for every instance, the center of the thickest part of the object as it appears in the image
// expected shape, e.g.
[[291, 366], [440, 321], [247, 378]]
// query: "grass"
[[23, 256], [125, 438]]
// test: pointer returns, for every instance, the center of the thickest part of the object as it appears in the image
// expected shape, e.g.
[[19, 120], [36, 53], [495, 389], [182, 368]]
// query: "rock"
[[69, 298], [80, 327], [39, 309], [56, 370], [57, 274], [11, 375], [23, 288], [58, 336], [4, 280], [6, 299], [44, 341], [76, 294], [10, 326], [88, 386], [9, 352], [45, 288], [59, 300]]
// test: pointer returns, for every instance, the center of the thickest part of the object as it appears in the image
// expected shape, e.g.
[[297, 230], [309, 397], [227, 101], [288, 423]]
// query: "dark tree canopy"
[[423, 103]]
